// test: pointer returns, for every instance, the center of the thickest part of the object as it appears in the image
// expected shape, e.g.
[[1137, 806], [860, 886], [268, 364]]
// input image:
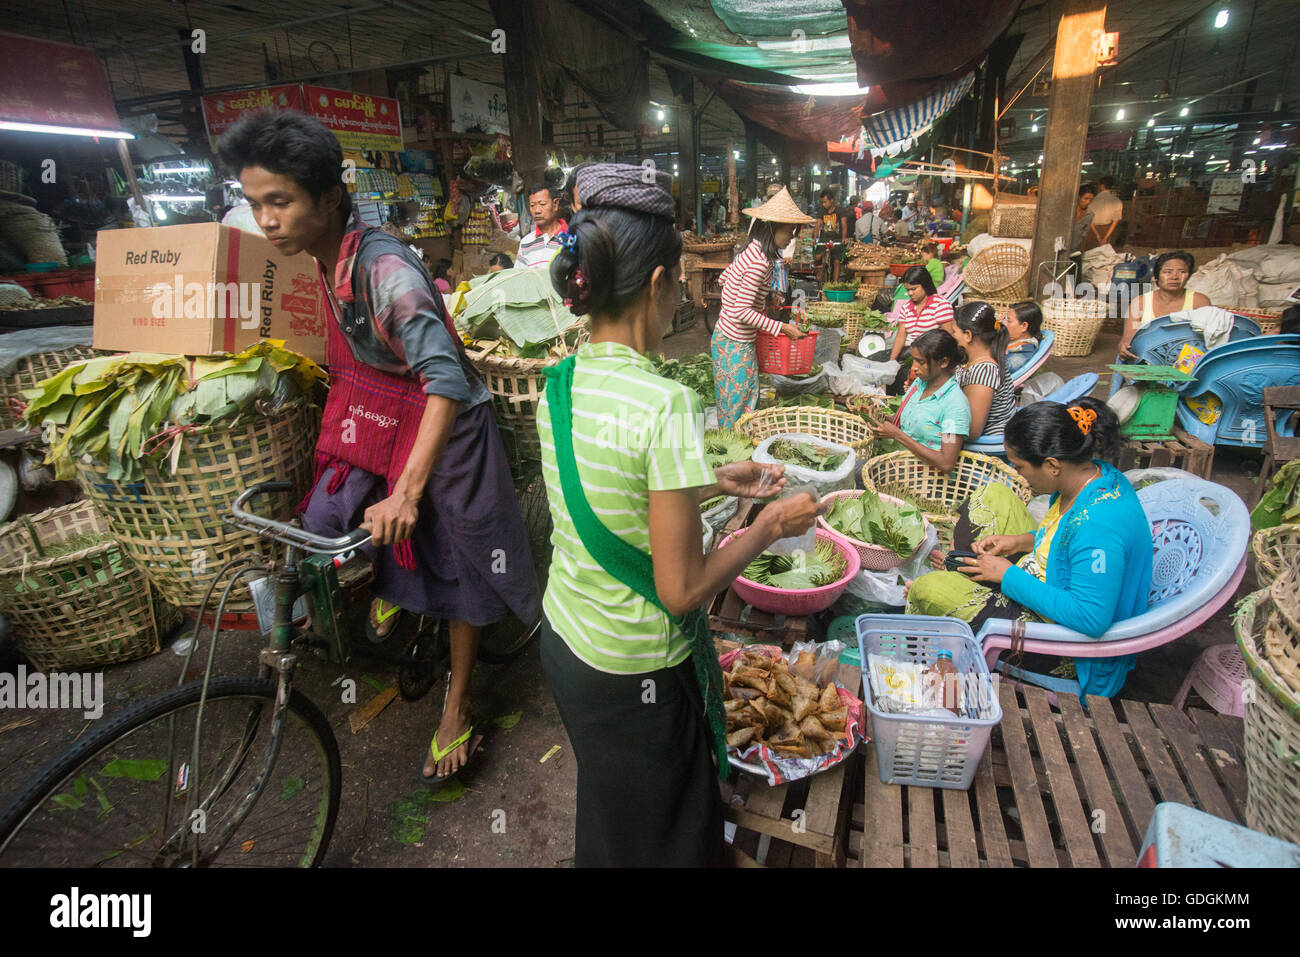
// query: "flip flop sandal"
[[438, 754], [377, 616]]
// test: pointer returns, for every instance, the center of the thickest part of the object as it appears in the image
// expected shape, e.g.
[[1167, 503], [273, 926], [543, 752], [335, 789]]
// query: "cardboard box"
[[201, 289]]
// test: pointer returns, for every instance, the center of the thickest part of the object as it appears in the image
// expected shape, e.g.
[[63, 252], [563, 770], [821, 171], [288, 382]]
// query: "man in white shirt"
[[1107, 211], [538, 248], [870, 227]]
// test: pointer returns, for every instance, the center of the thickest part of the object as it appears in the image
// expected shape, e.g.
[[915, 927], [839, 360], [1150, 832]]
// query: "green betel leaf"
[[137, 769]]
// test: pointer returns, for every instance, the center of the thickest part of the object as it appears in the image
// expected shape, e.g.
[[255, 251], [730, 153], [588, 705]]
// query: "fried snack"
[[741, 737], [834, 720], [770, 702], [830, 699], [805, 666], [812, 729]]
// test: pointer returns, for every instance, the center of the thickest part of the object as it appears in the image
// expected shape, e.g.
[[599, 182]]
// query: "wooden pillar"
[[784, 166], [751, 165], [733, 194], [688, 156], [1068, 111], [522, 100]]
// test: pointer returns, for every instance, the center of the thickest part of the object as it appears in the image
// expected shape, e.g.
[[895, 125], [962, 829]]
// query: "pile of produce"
[[694, 239], [868, 255], [694, 371], [812, 373], [805, 455], [825, 565], [39, 302], [1280, 503], [123, 410], [517, 313], [724, 446], [817, 401], [869, 518], [769, 702], [876, 321], [840, 287]]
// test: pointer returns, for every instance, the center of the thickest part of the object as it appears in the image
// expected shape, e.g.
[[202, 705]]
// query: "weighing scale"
[[1153, 419]]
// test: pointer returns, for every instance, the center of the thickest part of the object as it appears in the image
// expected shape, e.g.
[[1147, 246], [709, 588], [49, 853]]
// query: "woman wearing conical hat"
[[745, 284]]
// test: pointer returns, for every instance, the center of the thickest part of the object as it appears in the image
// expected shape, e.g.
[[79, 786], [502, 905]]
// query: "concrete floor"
[[381, 763]]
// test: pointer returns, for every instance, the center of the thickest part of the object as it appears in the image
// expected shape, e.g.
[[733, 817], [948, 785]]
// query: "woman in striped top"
[[921, 311], [984, 377], [622, 448], [745, 285]]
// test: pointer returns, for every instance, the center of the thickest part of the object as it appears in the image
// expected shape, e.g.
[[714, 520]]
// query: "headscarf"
[[623, 186]]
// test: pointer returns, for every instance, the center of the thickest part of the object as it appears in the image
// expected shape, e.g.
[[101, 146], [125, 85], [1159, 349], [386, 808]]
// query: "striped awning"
[[891, 131]]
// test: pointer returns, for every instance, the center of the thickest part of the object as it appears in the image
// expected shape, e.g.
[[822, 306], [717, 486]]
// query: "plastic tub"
[[807, 602], [924, 750], [840, 295]]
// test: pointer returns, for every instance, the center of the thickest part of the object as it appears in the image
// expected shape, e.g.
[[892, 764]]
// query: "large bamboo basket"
[[832, 425], [939, 495], [173, 524], [1272, 727], [1276, 550], [1000, 272], [1076, 323], [84, 608], [29, 371]]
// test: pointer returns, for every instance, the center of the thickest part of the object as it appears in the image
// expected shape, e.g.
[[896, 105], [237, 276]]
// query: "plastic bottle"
[[943, 681]]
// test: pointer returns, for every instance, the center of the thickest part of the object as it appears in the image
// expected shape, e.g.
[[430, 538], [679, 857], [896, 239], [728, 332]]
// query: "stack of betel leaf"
[[695, 372], [869, 518], [722, 447], [805, 455], [519, 311], [824, 565], [125, 409]]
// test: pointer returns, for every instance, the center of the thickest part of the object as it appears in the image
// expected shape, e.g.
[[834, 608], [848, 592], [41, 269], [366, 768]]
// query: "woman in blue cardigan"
[[1086, 566]]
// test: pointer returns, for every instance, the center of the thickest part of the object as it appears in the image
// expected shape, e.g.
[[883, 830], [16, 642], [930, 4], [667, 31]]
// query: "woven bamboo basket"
[[939, 496], [1272, 728], [1001, 272], [516, 386], [1013, 220], [29, 371], [1282, 637], [1268, 318], [1076, 323], [833, 425], [873, 275], [699, 248], [834, 314], [81, 608], [999, 305], [173, 524], [868, 291], [1276, 550]]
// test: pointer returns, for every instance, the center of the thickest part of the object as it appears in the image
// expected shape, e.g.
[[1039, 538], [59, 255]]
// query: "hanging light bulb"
[[1119, 115], [1221, 19], [773, 160], [1034, 128], [1184, 111], [1151, 122], [660, 116]]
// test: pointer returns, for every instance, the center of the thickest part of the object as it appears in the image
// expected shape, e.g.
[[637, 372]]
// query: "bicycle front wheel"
[[115, 799]]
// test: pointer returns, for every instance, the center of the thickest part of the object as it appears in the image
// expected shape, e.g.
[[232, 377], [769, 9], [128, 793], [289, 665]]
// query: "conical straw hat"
[[780, 208]]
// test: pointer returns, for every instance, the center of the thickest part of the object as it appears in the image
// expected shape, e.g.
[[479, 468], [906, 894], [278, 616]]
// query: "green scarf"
[[627, 563]]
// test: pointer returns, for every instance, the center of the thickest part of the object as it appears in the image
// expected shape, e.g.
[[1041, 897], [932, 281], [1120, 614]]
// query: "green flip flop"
[[438, 754]]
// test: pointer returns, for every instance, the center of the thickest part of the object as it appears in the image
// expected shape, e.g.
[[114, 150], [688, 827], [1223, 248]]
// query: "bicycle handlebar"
[[288, 534]]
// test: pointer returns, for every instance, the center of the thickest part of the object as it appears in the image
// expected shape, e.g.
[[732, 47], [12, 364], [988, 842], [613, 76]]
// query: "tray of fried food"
[[770, 702]]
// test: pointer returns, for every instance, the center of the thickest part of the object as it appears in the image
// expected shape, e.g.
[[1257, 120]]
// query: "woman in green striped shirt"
[[625, 477]]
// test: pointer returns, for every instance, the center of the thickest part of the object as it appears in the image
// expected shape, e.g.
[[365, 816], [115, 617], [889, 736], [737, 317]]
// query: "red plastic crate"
[[782, 355], [67, 282]]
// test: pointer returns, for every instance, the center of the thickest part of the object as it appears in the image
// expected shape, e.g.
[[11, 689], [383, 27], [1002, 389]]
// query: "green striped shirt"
[[633, 433]]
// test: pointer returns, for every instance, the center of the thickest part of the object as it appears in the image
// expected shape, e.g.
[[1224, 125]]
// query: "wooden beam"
[[1073, 70], [688, 160], [522, 99]]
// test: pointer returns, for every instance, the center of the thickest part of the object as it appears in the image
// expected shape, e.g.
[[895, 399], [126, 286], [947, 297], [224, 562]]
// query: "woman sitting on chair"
[[1024, 322], [1170, 295], [934, 418], [1086, 566]]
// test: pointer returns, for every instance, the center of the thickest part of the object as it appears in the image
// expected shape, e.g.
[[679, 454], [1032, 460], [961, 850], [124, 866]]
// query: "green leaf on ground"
[[453, 790], [143, 769], [374, 683], [508, 721], [69, 802], [79, 786]]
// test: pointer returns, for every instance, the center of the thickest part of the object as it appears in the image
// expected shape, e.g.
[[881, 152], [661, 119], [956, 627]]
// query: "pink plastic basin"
[[780, 601]]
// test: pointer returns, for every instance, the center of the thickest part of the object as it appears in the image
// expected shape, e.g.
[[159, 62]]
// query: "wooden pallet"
[[806, 821], [1063, 788], [1182, 452]]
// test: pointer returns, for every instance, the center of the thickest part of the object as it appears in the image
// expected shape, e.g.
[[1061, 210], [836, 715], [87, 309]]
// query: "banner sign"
[[55, 84], [477, 106], [221, 110], [359, 120]]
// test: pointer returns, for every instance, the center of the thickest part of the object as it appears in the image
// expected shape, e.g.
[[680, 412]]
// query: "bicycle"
[[231, 770]]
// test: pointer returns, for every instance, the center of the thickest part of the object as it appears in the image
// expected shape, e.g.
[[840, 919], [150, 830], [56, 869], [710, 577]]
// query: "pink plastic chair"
[[1218, 677], [1200, 532]]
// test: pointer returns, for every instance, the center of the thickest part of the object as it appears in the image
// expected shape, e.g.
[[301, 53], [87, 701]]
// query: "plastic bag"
[[806, 542], [828, 345], [1226, 283], [881, 588], [838, 478], [869, 373], [823, 662], [787, 386], [1039, 387]]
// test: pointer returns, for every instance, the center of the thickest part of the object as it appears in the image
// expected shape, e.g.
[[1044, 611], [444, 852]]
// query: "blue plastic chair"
[[1036, 360], [1158, 343], [1199, 531], [1076, 388], [1238, 373]]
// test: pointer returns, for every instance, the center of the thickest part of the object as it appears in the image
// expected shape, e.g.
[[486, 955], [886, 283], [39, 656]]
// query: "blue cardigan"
[[1098, 573]]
